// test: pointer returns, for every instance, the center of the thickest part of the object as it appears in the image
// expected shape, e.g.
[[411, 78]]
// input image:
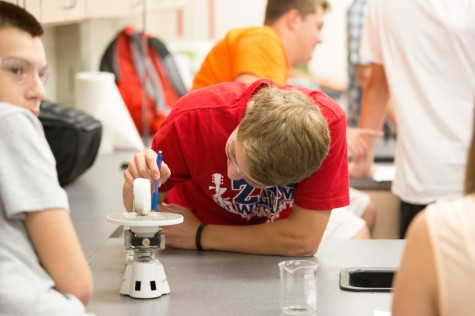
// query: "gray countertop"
[[222, 283], [94, 195], [208, 283]]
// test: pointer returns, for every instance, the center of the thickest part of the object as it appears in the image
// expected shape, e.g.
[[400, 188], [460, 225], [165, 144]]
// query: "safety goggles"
[[231, 153], [21, 70]]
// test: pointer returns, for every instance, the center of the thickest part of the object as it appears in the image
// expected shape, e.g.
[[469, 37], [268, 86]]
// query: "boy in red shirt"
[[260, 166]]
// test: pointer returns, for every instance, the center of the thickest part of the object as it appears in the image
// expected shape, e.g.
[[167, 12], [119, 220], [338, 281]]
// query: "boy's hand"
[[144, 165], [359, 141]]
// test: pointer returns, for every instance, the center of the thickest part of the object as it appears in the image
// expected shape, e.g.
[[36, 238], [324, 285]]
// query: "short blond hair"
[[284, 136], [277, 8]]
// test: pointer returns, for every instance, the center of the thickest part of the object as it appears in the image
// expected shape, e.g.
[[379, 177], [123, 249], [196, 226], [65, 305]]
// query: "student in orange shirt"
[[291, 31]]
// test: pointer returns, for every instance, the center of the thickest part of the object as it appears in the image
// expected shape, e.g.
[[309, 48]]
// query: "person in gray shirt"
[[43, 270]]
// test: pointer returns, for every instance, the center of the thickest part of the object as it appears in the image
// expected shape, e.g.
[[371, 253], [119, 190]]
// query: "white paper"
[[384, 173], [96, 94], [382, 313]]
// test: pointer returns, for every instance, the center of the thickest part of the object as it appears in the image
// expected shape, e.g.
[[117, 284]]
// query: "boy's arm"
[[373, 111], [56, 243], [298, 235]]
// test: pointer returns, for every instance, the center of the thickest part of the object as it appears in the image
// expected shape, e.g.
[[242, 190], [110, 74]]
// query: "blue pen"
[[155, 192]]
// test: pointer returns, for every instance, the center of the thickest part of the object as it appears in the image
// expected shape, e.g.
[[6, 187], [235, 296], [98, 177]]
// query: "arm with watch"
[[189, 233], [293, 236]]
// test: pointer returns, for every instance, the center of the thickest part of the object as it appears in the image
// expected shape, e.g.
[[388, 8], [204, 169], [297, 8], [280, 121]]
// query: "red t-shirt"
[[193, 139]]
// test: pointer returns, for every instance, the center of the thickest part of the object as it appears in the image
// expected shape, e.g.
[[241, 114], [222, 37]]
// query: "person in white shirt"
[[422, 57]]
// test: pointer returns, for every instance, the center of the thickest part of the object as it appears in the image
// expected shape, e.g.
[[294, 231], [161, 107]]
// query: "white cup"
[[298, 287]]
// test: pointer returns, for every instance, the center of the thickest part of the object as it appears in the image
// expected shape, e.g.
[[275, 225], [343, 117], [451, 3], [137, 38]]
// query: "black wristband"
[[198, 236]]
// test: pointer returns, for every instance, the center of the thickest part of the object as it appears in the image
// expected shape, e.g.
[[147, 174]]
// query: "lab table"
[[94, 195], [368, 183], [208, 283], [224, 283]]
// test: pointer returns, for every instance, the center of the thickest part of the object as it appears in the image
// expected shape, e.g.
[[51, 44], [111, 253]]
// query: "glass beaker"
[[298, 286]]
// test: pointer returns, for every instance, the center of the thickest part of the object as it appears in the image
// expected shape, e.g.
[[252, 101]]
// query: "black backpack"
[[74, 138]]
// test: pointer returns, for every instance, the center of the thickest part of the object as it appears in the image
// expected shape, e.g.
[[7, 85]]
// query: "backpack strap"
[[145, 69], [169, 65]]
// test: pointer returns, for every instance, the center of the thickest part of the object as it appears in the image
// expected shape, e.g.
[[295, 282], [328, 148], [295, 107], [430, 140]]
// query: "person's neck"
[[284, 36]]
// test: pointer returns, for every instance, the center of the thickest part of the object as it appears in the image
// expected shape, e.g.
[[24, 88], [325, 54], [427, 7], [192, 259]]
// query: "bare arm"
[[415, 285], [362, 75], [373, 111], [56, 243], [390, 114], [375, 99], [298, 235]]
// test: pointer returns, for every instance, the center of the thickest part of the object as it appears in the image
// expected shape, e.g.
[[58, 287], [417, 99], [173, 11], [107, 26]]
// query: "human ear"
[[250, 105], [292, 17]]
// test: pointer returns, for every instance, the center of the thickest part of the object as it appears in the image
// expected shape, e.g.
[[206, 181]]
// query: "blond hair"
[[277, 8], [284, 136]]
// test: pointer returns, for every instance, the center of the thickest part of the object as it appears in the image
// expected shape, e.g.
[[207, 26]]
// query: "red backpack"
[[163, 84]]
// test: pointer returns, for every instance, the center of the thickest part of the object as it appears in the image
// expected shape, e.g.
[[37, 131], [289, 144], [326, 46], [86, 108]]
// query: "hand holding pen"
[[144, 165]]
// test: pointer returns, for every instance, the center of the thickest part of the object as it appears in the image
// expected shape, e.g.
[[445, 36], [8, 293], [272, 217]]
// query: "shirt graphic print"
[[252, 202]]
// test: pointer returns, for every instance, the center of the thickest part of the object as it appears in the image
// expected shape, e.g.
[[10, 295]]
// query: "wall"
[[234, 14], [77, 47], [329, 59], [188, 26]]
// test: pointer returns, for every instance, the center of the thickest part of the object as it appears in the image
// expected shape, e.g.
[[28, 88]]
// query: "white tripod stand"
[[144, 275]]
